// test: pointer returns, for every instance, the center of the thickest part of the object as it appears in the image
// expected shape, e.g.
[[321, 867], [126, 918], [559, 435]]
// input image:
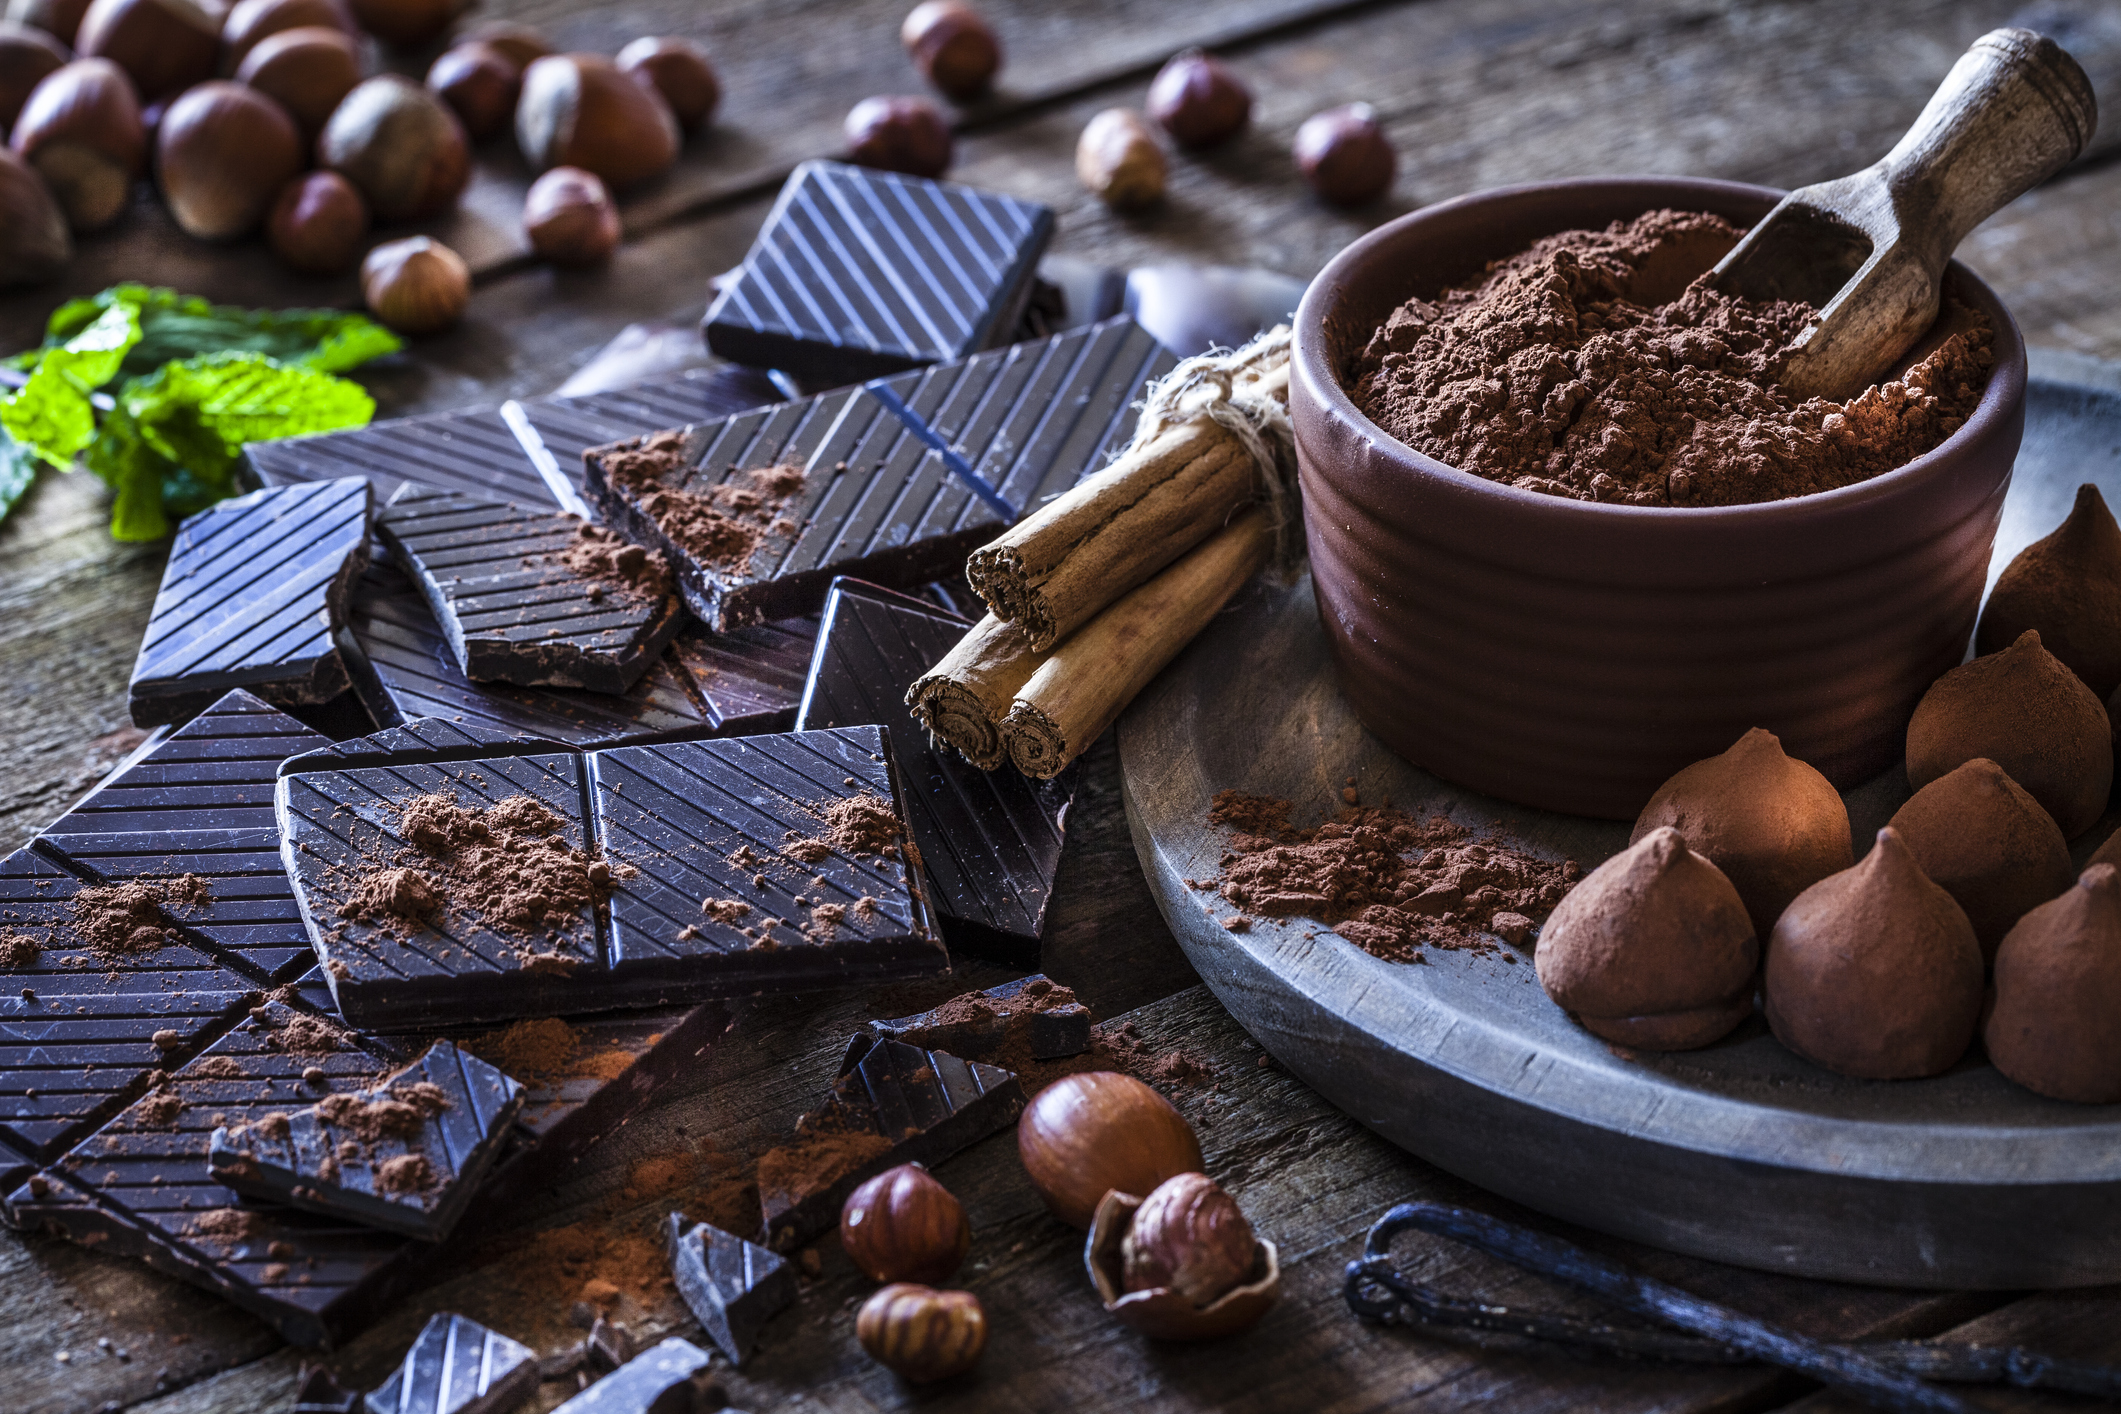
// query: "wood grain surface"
[[1475, 93]]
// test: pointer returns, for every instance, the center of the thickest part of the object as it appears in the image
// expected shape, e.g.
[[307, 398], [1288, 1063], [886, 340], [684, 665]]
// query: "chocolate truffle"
[[2067, 586], [2056, 1024], [1978, 836], [1653, 949], [1773, 825], [2030, 715], [1875, 971]]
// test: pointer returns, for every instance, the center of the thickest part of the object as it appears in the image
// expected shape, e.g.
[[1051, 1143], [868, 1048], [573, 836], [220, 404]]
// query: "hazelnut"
[[253, 21], [61, 19], [521, 44], [570, 218], [1163, 1312], [307, 71], [317, 224], [1086, 1135], [921, 1333], [1119, 160], [26, 56], [222, 154], [1345, 156], [81, 130], [400, 145], [416, 286], [953, 47], [1188, 1236], [481, 84], [34, 244], [406, 24], [579, 110], [164, 46], [1198, 100], [678, 70], [906, 135], [904, 1226]]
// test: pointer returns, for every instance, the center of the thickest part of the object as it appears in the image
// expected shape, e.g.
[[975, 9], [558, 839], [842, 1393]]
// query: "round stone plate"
[[1740, 1152]]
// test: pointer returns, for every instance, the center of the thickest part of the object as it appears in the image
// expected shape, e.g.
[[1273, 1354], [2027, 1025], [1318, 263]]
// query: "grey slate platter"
[[1740, 1152]]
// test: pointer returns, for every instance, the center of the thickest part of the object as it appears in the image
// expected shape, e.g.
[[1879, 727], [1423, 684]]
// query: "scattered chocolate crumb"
[[304, 1035], [725, 910], [215, 1068], [18, 950], [404, 894], [227, 1226]]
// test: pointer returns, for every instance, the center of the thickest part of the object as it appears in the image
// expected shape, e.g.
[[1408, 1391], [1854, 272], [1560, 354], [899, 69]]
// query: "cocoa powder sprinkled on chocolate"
[[18, 949], [227, 1226], [528, 1050], [722, 527], [603, 556], [304, 1035], [123, 920], [215, 1068], [405, 1173]]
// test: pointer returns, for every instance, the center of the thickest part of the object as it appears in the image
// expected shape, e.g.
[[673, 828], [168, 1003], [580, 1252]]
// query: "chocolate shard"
[[253, 593], [892, 482], [518, 599], [733, 1287], [1036, 1011], [200, 801], [926, 1105], [670, 1378], [859, 273], [457, 1366], [319, 1393], [990, 841], [405, 1155]]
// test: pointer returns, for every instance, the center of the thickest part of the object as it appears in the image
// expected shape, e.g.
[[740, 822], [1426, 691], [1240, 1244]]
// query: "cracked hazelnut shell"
[[317, 224], [1199, 100], [81, 130], [221, 156], [680, 73], [416, 286], [1771, 823], [252, 22], [27, 54], [579, 110], [953, 46], [480, 84], [1653, 949], [164, 46], [899, 134], [2055, 1027], [902, 1225], [1344, 155], [34, 243], [1120, 161], [1189, 1237], [2068, 586], [1160, 1312], [1086, 1135], [400, 145], [1977, 835], [921, 1333], [308, 71], [1875, 972]]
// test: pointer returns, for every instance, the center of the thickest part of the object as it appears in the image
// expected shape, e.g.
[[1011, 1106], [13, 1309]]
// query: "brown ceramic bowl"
[[1571, 655]]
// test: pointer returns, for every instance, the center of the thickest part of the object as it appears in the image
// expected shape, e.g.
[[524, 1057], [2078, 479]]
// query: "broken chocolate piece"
[[420, 1143], [253, 593], [892, 482], [671, 1378], [319, 1393], [990, 841], [859, 273], [457, 1366], [532, 596], [733, 1287], [1036, 1011]]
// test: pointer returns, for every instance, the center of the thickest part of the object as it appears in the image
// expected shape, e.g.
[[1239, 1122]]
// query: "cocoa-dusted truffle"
[[1653, 949], [2056, 1026], [1773, 825], [2067, 586], [2030, 715], [1978, 836], [1875, 972]]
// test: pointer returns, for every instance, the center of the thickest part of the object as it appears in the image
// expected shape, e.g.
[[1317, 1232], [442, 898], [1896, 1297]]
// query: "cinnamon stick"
[[963, 699], [1084, 684], [1057, 568]]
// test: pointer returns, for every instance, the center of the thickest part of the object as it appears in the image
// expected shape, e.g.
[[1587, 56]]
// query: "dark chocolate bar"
[[990, 841], [892, 482], [732, 1286], [253, 593], [859, 273], [669, 1378], [929, 1104], [513, 607], [720, 881], [404, 1156], [1045, 1017], [457, 1366], [200, 801]]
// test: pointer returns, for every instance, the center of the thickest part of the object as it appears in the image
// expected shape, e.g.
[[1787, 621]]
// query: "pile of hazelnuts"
[[1169, 1252]]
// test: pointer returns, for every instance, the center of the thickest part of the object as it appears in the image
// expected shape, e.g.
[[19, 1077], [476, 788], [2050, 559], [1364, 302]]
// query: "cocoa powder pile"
[[18, 950], [602, 556], [856, 825], [123, 920], [1589, 367], [722, 527]]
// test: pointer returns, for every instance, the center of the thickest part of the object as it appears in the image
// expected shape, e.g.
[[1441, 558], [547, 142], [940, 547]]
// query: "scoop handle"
[[2013, 111]]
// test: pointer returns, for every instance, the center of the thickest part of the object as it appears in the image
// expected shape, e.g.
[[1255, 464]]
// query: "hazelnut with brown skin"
[[34, 244], [570, 219], [900, 134], [579, 110], [953, 47], [1190, 1237], [1119, 160], [1983, 840], [221, 155], [522, 45], [164, 46], [679, 71], [27, 54], [406, 24], [61, 19], [317, 224], [904, 1226], [481, 84], [921, 1333], [2056, 1024], [81, 130], [308, 71], [1345, 156], [252, 22], [2067, 586], [400, 145], [416, 286], [1087, 1135], [1197, 99]]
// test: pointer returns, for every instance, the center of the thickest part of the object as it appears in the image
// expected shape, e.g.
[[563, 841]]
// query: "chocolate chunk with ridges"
[[926, 1104], [457, 1366], [734, 892], [513, 604], [476, 453], [319, 1393], [990, 841], [877, 498], [1051, 1023], [422, 1140], [83, 1033], [254, 589], [423, 741], [859, 273], [201, 802], [733, 1286], [670, 1378]]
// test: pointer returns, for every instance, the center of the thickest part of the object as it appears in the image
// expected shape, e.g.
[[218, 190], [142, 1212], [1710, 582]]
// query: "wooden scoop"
[[1869, 250]]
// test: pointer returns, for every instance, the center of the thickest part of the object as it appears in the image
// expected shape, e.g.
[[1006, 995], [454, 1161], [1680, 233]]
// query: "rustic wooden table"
[[1475, 93]]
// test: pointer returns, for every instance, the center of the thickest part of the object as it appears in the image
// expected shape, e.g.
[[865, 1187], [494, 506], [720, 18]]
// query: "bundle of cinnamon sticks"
[[1094, 593]]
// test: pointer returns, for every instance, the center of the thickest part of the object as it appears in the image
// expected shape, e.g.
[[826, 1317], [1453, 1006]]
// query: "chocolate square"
[[457, 1366], [732, 1286], [1046, 1019]]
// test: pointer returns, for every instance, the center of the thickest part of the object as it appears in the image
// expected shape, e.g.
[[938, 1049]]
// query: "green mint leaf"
[[175, 326], [51, 414]]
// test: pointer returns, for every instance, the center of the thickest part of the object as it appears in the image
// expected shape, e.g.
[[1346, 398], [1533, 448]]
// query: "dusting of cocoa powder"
[[301, 1034], [405, 1173], [227, 1227], [528, 1050], [855, 825], [123, 920], [604, 557], [722, 527], [1597, 366], [18, 950]]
